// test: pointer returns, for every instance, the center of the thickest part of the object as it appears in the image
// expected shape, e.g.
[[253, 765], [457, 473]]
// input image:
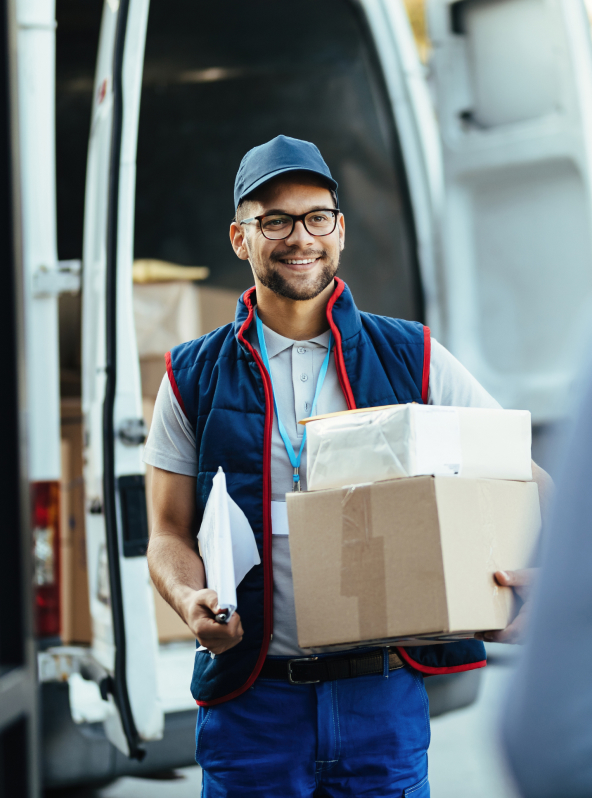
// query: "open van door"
[[513, 85], [122, 606], [417, 129], [19, 716]]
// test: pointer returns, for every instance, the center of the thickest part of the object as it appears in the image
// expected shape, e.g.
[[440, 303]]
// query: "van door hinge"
[[132, 431], [64, 278]]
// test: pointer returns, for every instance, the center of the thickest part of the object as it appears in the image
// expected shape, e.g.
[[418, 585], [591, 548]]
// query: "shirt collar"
[[341, 309], [277, 343]]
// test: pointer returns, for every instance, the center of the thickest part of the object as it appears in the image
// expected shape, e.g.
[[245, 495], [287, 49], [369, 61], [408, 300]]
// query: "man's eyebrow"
[[281, 210]]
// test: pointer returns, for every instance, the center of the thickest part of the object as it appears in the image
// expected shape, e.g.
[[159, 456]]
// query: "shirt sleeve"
[[451, 384], [171, 442]]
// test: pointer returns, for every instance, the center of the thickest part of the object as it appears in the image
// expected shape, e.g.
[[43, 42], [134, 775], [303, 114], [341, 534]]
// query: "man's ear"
[[238, 241], [341, 227]]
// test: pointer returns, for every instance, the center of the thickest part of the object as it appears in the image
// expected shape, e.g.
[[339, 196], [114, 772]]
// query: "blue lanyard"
[[294, 458]]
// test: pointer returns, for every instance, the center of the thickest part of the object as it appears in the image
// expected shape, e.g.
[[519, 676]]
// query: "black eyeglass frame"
[[300, 218]]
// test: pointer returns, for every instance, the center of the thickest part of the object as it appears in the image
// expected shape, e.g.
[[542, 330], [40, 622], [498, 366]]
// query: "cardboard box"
[[411, 439], [75, 610], [407, 557], [152, 370], [168, 314]]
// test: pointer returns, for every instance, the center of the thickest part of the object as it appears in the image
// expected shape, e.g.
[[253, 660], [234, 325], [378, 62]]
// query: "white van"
[[466, 188]]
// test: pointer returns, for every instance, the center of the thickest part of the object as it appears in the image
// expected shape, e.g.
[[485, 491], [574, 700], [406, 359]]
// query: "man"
[[275, 720]]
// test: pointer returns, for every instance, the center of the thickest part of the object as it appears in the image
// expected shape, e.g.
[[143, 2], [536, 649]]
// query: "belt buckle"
[[301, 659]]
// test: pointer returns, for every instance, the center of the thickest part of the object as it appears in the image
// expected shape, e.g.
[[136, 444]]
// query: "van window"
[[220, 78]]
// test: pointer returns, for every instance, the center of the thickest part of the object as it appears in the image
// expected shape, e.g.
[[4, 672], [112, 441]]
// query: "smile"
[[299, 262]]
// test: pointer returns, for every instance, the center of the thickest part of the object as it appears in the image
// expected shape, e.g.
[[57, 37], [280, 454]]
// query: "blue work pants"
[[361, 737]]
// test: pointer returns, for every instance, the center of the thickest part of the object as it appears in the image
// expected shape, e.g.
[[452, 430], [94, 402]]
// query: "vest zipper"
[[267, 548], [267, 558]]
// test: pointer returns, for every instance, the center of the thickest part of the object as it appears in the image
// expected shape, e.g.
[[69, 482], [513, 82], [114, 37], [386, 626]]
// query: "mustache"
[[277, 256]]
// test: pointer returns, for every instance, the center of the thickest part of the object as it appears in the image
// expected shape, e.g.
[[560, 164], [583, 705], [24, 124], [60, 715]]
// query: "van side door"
[[417, 129], [122, 606], [513, 85]]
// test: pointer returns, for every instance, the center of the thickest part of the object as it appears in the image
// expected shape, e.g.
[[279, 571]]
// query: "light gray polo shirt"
[[295, 367]]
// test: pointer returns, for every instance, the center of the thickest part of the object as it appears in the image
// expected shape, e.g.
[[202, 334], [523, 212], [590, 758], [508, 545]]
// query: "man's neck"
[[299, 320]]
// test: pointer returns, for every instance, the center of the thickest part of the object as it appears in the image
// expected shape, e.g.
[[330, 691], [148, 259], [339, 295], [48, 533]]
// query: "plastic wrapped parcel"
[[410, 440]]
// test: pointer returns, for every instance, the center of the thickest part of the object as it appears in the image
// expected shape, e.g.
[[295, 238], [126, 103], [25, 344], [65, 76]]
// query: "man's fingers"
[[493, 637], [235, 626], [520, 581], [233, 635], [514, 633], [219, 637], [507, 635], [521, 578], [201, 619], [222, 630], [209, 598]]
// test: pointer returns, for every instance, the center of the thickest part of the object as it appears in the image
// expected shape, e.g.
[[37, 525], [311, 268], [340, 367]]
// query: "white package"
[[226, 543], [411, 440]]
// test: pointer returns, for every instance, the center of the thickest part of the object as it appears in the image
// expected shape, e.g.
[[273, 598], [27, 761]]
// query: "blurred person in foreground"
[[547, 722], [276, 719]]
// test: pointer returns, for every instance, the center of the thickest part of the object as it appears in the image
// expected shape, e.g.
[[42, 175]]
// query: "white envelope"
[[226, 543]]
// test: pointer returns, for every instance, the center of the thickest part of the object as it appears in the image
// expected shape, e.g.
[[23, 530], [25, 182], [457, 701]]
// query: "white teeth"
[[300, 262]]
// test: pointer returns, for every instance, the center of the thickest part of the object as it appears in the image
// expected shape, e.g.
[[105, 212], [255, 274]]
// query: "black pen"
[[222, 616]]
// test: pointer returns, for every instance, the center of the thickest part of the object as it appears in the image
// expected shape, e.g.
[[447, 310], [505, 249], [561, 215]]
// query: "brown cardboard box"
[[407, 557], [75, 621], [167, 314], [152, 369]]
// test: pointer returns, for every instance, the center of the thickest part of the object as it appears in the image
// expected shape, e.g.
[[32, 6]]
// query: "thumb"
[[209, 598], [521, 578]]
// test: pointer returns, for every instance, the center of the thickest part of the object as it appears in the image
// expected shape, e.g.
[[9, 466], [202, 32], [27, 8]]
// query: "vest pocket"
[[419, 790]]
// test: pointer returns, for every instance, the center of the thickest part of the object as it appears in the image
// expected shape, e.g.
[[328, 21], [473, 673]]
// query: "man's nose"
[[299, 235]]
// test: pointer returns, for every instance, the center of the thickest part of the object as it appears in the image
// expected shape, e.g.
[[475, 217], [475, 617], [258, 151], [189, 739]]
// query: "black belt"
[[311, 670]]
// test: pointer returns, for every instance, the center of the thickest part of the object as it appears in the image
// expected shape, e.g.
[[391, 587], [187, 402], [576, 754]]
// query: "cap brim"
[[332, 184]]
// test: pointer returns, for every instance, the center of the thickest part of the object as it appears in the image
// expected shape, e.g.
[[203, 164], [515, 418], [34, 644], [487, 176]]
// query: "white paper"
[[226, 543], [244, 547], [437, 441], [279, 518]]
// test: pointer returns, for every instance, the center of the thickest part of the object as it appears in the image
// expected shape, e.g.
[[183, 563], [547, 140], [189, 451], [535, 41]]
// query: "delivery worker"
[[274, 719]]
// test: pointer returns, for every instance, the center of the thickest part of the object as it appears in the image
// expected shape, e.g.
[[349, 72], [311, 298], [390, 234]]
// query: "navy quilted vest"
[[225, 392]]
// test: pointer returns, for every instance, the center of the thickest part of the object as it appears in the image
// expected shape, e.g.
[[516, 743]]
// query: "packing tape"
[[363, 573]]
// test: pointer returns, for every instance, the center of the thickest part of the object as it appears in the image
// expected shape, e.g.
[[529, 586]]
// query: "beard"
[[297, 289]]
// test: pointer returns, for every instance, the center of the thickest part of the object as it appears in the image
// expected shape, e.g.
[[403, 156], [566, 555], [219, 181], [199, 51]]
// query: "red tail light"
[[46, 552]]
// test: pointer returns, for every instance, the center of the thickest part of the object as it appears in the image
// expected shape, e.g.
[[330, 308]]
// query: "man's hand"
[[176, 567], [521, 582], [200, 610]]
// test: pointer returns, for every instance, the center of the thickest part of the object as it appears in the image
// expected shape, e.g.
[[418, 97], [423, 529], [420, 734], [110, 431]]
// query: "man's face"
[[298, 267]]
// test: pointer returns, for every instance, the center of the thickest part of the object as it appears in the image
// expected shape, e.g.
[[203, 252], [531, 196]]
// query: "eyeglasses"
[[276, 226]]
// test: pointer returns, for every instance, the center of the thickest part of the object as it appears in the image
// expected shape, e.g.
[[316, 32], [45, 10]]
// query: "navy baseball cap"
[[281, 154]]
